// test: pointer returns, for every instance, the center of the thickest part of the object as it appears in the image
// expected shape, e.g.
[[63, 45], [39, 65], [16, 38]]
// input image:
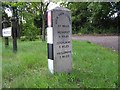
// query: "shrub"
[[30, 31]]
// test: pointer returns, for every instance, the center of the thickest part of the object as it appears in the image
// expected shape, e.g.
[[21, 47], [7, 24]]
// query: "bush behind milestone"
[[30, 32]]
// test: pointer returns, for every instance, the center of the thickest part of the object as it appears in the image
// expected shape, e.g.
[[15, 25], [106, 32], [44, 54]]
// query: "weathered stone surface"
[[62, 39]]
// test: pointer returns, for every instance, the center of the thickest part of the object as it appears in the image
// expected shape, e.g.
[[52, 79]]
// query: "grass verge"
[[93, 67]]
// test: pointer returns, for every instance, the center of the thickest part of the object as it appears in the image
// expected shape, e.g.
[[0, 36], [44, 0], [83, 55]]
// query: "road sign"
[[6, 32]]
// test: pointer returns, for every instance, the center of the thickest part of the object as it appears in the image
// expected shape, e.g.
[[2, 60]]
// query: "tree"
[[29, 11], [101, 16], [94, 17], [80, 14], [43, 14]]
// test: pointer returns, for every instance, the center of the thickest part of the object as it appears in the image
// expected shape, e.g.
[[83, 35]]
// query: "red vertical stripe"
[[49, 19]]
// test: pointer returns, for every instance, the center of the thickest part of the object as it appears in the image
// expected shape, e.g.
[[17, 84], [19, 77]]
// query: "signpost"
[[11, 31], [6, 33], [59, 39]]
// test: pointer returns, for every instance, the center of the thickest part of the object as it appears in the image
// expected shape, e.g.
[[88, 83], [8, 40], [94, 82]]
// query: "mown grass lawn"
[[93, 67]]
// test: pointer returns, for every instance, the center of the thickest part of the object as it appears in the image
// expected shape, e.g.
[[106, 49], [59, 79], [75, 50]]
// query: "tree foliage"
[[87, 17], [27, 11], [94, 17]]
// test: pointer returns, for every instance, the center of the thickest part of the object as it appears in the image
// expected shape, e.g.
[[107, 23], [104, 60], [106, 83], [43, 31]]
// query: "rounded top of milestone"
[[54, 6]]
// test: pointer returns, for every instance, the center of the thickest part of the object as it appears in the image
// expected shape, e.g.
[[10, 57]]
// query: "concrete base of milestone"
[[59, 67]]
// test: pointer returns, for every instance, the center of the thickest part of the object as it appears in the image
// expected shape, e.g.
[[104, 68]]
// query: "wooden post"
[[6, 42], [14, 30]]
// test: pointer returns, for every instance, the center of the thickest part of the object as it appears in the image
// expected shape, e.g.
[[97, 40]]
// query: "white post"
[[50, 42]]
